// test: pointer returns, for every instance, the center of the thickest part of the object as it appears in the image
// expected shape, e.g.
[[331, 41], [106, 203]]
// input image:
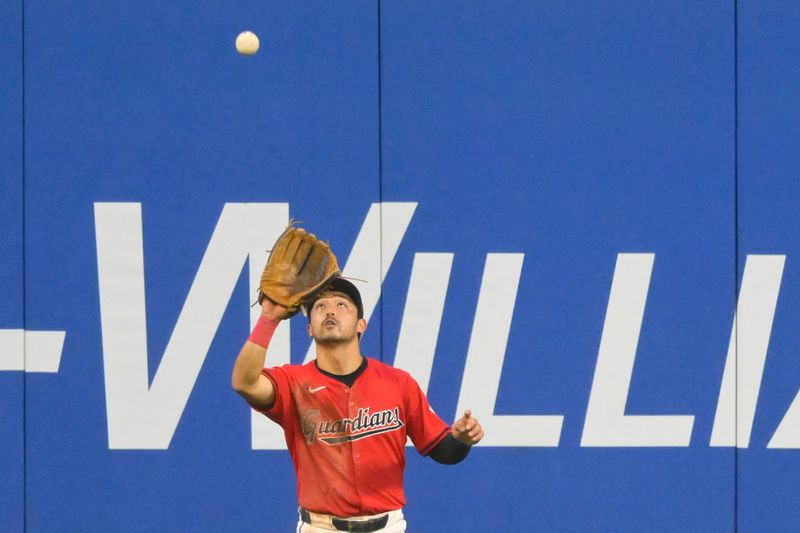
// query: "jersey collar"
[[347, 379]]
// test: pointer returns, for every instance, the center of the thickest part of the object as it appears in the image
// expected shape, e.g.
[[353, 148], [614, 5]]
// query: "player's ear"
[[308, 328], [361, 326]]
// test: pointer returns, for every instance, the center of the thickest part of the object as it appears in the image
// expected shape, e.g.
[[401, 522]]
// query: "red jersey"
[[348, 443]]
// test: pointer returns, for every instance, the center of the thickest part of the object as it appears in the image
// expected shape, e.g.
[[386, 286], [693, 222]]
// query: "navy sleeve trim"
[[449, 451], [426, 450]]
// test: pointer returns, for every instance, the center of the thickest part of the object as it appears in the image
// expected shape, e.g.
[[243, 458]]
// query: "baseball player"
[[346, 417]]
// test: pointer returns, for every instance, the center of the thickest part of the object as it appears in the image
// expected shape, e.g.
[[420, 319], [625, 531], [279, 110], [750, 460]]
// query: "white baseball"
[[247, 43]]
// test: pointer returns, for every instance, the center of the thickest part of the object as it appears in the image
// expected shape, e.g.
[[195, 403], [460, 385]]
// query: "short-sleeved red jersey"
[[348, 443]]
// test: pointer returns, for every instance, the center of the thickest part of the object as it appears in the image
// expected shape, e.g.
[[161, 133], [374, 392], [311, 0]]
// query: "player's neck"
[[339, 359]]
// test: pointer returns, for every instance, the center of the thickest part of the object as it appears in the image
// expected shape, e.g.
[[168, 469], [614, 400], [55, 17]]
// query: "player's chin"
[[332, 338]]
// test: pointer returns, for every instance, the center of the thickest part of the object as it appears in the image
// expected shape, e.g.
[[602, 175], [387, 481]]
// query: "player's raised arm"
[[299, 266], [247, 378]]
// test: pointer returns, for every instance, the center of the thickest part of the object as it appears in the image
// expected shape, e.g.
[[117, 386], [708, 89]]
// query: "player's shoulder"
[[387, 371]]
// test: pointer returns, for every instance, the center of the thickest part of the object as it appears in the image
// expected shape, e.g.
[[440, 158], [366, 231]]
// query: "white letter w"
[[143, 415]]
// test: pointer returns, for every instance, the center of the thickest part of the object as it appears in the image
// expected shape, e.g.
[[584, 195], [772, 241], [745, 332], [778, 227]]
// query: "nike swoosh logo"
[[315, 390]]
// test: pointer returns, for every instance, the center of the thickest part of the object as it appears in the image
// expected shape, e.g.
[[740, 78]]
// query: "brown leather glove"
[[299, 267]]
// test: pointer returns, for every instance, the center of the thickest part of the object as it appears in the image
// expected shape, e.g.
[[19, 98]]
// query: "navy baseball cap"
[[343, 286]]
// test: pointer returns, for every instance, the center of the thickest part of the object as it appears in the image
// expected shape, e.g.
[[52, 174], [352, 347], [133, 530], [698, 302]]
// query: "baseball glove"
[[299, 267]]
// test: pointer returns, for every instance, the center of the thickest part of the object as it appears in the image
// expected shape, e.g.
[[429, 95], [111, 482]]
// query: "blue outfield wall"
[[769, 196], [11, 272], [572, 136], [151, 138], [542, 199]]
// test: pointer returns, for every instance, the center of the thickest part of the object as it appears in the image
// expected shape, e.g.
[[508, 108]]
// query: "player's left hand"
[[467, 430]]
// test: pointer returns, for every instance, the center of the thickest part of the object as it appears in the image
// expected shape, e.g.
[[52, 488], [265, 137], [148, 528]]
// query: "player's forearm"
[[250, 362], [247, 368]]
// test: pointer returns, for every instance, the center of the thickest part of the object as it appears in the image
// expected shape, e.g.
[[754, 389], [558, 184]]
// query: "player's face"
[[334, 320]]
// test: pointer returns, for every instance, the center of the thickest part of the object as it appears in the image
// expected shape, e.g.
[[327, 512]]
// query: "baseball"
[[247, 43]]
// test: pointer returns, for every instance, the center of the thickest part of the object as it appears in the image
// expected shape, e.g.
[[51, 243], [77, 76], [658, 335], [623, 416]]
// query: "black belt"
[[355, 526]]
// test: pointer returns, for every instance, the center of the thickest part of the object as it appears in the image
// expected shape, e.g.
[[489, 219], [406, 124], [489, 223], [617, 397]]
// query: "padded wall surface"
[[11, 285], [148, 104], [570, 136], [769, 195]]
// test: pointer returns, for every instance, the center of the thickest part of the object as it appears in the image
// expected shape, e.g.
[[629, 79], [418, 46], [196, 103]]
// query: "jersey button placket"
[[349, 403], [355, 456], [353, 412]]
